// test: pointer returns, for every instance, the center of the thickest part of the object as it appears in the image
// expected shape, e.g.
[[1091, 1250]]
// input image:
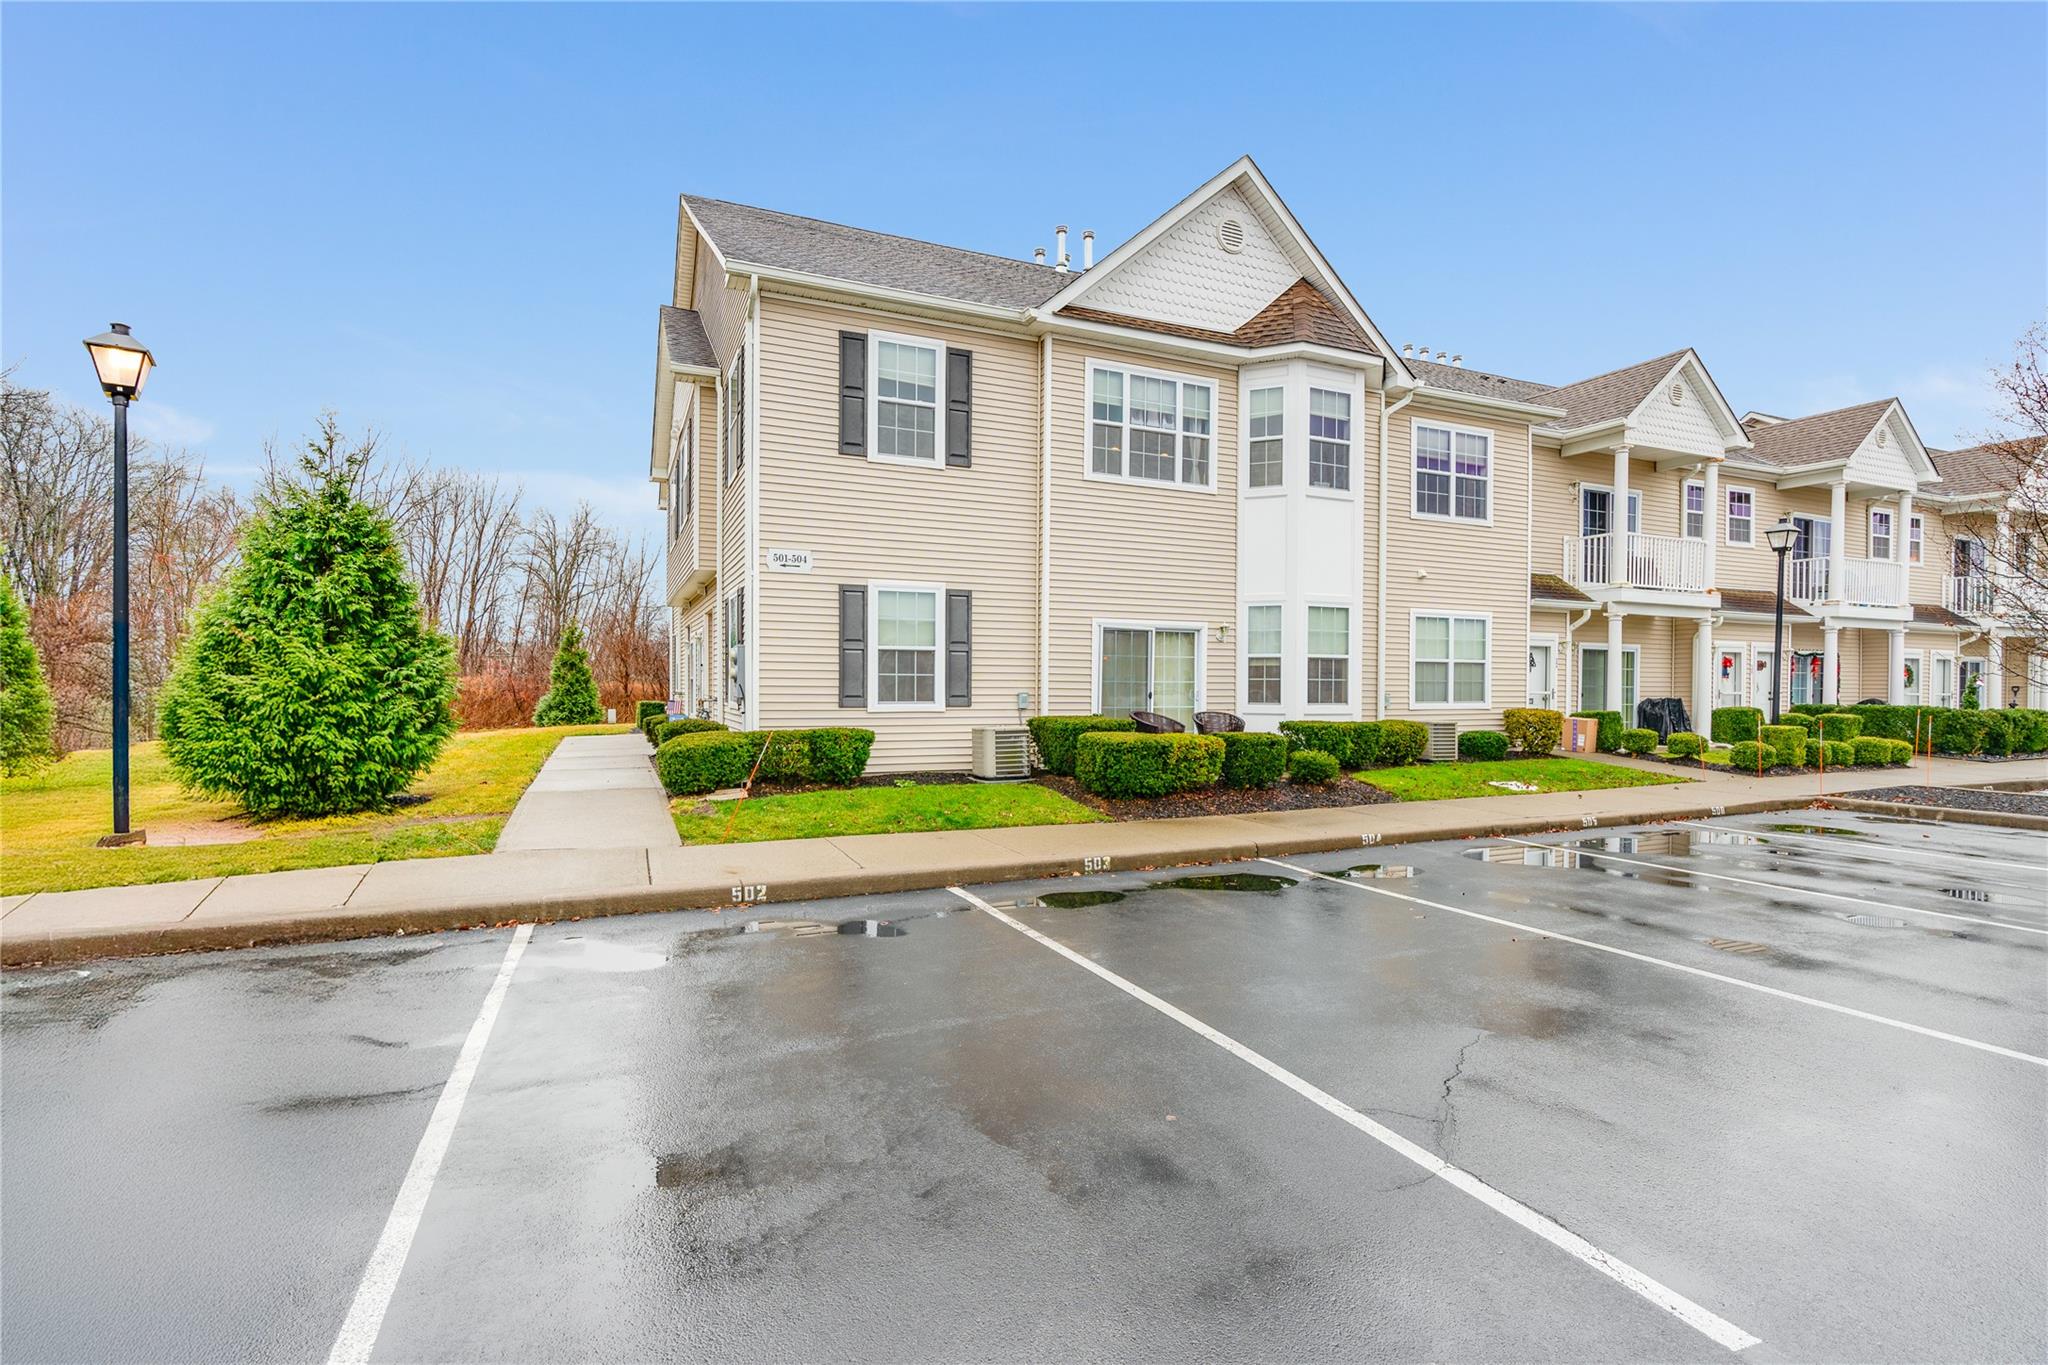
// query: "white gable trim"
[[1263, 200], [1691, 369], [1892, 421]]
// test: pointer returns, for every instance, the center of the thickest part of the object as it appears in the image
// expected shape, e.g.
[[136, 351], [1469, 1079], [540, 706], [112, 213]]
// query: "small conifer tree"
[[25, 711], [571, 698]]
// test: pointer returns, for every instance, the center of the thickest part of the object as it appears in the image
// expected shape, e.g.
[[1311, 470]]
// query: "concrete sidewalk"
[[595, 791], [571, 883]]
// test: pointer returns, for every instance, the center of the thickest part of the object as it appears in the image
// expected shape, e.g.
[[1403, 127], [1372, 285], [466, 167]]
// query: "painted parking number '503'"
[[1095, 864]]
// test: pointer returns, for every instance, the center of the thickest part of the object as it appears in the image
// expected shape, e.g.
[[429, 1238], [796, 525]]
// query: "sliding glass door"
[[1149, 668]]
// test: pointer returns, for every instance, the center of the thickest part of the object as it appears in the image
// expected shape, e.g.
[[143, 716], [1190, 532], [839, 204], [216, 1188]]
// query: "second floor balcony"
[[1864, 582], [1652, 563], [1968, 594]]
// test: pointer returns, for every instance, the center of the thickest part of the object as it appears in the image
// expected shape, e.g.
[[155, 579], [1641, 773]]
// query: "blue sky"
[[454, 222]]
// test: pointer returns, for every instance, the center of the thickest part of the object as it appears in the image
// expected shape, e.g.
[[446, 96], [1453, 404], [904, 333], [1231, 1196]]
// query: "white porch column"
[[1901, 549], [1895, 654], [1838, 538], [1614, 699], [1713, 482], [1830, 657], [1703, 673], [1617, 542], [1992, 694]]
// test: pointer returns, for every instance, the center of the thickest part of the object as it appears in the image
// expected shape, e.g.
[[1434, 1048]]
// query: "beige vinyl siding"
[[687, 247], [973, 529], [1132, 552], [722, 309], [1556, 510], [1458, 566], [1754, 566], [698, 543]]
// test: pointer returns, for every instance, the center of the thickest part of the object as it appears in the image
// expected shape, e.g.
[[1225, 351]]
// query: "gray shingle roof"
[[1550, 587], [1753, 602], [1609, 397], [1822, 438], [1976, 470], [1458, 379], [1927, 614], [814, 247], [682, 335]]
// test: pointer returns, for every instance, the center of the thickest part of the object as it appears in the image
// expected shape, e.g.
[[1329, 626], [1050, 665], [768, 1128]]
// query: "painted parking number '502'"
[[743, 894]]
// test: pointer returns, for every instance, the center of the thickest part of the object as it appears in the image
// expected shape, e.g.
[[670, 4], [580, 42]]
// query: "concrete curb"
[[440, 913], [1940, 815]]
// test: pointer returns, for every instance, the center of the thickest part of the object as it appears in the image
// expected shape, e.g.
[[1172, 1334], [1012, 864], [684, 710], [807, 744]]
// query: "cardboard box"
[[1581, 735]]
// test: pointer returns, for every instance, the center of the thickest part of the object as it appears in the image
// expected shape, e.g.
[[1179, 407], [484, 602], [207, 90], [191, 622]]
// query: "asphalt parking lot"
[[1770, 1084]]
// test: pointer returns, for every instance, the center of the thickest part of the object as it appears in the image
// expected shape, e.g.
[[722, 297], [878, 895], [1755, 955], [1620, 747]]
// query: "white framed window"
[[1149, 666], [1266, 428], [1262, 650], [1449, 660], [908, 383], [1593, 681], [1453, 473], [1693, 509], [1880, 533], [736, 650], [733, 430], [1329, 439], [1329, 656], [1148, 427], [906, 666], [1742, 516], [1916, 539]]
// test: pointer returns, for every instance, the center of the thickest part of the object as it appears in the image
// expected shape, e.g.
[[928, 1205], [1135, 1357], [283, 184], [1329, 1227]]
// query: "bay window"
[[1329, 439], [1329, 656], [1449, 660], [1262, 656], [1150, 428], [1453, 473]]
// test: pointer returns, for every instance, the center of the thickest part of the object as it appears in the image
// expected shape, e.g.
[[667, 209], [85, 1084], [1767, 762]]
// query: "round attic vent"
[[1230, 233]]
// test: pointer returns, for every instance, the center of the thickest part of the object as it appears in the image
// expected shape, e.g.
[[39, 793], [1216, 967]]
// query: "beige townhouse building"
[[923, 489]]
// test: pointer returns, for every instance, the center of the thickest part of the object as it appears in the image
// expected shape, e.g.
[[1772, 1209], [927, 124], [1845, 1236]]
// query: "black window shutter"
[[959, 649], [853, 393], [853, 645], [960, 408]]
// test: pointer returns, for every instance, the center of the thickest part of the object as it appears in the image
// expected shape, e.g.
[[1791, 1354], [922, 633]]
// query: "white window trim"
[[1180, 430], [1891, 536], [938, 591], [729, 467], [1244, 658], [1706, 511], [1244, 453], [1451, 680], [1352, 464], [1634, 510], [874, 401], [1728, 522], [1415, 426], [1102, 623], [1349, 706], [1627, 719], [1916, 539]]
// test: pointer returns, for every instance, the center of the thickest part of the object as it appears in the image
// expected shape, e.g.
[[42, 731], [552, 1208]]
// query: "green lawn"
[[50, 819], [1436, 781], [878, 810]]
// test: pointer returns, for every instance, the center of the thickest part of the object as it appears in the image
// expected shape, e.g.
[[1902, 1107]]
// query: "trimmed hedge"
[[1802, 720], [1636, 740], [1788, 742], [1401, 742], [1810, 708], [1312, 765], [1347, 741], [1838, 725], [1896, 722], [1251, 759], [1482, 745], [1123, 765], [709, 761], [1733, 724], [1837, 753], [666, 730], [643, 709], [1748, 755], [1532, 729], [839, 754], [1684, 744], [1872, 752], [1960, 731], [1608, 740], [710, 757], [2031, 735], [1055, 737]]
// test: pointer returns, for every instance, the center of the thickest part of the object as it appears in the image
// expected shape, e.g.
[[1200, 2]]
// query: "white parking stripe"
[[1673, 966], [1716, 1328], [1864, 901], [380, 1278], [1846, 844]]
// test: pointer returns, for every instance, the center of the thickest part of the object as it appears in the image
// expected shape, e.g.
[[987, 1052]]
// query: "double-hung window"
[[1329, 656], [1262, 656], [1880, 533], [1450, 660], [1741, 517], [906, 648], [734, 428], [1453, 473], [1150, 428], [1329, 439], [1267, 429], [908, 398], [1916, 539], [1695, 510]]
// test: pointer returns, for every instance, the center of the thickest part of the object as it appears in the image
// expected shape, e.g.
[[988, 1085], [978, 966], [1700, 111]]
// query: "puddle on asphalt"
[[1379, 872], [1583, 855], [810, 928], [1077, 900], [1225, 881], [872, 928], [1089, 899], [1821, 829]]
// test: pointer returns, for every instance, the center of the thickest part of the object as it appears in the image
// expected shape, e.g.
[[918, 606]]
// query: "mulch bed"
[[1223, 800], [1960, 798]]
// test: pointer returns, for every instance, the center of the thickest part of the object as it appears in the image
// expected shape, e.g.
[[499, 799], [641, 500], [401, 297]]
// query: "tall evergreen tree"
[[25, 711], [310, 684], [571, 698]]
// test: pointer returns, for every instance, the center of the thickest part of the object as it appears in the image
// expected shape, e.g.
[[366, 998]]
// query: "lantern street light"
[[1782, 538], [123, 365]]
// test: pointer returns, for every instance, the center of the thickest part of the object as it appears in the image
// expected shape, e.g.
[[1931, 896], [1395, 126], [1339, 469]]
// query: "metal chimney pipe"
[[1038, 254], [1059, 250], [1408, 351], [1458, 361], [1088, 249]]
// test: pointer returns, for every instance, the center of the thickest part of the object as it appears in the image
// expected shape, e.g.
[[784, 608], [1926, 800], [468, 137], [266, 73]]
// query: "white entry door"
[[1543, 675], [1731, 670]]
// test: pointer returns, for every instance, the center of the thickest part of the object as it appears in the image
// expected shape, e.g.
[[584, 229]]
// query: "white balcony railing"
[[1865, 582], [1659, 563], [1969, 594]]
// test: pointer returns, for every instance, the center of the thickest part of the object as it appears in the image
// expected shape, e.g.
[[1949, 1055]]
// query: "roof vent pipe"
[[1458, 361], [1038, 254], [1088, 249], [1439, 357], [1059, 248], [1408, 351]]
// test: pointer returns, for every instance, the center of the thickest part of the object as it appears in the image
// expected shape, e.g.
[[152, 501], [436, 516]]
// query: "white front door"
[[1731, 668], [1944, 680], [1543, 675]]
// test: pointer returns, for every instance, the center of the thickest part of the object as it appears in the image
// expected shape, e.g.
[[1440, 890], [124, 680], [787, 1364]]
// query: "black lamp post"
[[123, 365], [1782, 538]]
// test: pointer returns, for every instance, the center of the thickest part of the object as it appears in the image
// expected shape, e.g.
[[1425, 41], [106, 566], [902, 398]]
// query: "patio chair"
[[1152, 723], [1217, 723]]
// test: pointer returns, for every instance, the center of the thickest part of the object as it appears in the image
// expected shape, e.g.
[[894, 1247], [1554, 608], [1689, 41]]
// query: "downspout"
[[752, 417], [714, 619], [1045, 525], [1571, 660], [1379, 677]]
